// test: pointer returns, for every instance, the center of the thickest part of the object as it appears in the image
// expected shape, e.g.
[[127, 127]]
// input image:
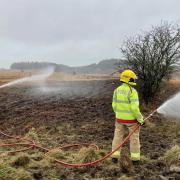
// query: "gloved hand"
[[141, 121]]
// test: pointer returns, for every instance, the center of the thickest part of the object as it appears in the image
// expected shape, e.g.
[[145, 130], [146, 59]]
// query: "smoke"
[[70, 89], [171, 108], [41, 77]]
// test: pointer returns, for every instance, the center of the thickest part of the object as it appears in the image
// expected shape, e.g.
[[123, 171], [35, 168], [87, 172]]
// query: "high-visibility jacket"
[[125, 104]]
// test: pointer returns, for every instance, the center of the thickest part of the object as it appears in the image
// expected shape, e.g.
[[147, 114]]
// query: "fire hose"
[[30, 144]]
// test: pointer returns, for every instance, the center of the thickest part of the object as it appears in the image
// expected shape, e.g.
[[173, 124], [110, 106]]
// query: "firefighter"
[[125, 105]]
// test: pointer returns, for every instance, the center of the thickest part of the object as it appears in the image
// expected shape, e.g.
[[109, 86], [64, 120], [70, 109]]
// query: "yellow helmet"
[[128, 77]]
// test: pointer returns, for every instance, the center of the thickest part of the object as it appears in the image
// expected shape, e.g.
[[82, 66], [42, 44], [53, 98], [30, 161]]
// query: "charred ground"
[[66, 118]]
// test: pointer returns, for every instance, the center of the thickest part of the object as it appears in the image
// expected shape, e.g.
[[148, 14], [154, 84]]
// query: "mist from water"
[[171, 108], [69, 89], [40, 88], [42, 76]]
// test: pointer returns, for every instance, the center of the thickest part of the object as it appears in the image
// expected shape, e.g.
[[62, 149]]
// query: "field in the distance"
[[10, 75]]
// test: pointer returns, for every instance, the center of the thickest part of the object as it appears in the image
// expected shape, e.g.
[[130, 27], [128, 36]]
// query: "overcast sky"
[[75, 32]]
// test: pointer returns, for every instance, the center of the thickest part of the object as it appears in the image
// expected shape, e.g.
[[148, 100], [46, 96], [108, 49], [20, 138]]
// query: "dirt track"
[[74, 116]]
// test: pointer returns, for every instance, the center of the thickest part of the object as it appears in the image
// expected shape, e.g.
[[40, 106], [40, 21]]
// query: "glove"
[[141, 122]]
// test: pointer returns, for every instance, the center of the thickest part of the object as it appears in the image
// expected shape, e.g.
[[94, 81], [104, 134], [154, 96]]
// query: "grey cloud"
[[53, 21], [75, 31]]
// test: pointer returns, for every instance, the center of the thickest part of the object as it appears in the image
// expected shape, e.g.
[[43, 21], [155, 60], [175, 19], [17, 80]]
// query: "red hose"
[[32, 144]]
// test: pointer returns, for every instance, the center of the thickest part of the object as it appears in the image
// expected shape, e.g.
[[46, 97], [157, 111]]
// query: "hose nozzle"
[[151, 114]]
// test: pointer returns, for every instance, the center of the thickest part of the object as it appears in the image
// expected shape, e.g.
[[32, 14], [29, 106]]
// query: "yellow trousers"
[[134, 140]]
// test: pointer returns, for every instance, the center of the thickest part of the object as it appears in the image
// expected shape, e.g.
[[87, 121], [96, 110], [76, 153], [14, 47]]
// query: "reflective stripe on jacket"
[[125, 103]]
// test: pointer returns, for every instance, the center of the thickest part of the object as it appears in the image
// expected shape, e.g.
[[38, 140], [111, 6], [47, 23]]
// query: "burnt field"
[[80, 112]]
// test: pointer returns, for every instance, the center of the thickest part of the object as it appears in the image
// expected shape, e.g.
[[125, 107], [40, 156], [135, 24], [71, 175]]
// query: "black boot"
[[115, 160]]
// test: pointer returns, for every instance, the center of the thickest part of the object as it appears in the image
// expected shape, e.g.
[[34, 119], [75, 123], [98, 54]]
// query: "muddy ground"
[[80, 112]]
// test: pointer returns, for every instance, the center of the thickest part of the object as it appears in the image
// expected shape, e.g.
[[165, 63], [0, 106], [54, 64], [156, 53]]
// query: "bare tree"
[[152, 56]]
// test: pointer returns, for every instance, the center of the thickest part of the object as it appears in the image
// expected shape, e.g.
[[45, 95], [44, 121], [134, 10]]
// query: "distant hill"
[[103, 67]]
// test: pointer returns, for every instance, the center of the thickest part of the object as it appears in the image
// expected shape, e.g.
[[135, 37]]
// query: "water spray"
[[171, 107], [43, 75]]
